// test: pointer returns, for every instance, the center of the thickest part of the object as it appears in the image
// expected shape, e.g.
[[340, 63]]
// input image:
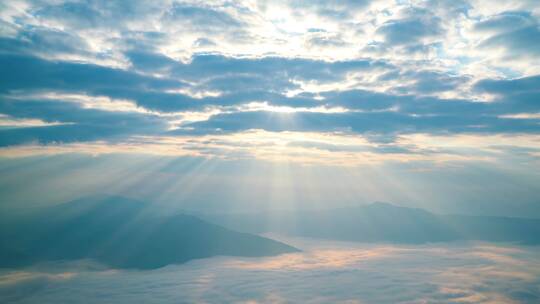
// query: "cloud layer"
[[324, 272], [92, 71]]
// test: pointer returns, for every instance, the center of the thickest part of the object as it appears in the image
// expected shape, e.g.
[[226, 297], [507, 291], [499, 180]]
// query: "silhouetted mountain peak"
[[122, 233]]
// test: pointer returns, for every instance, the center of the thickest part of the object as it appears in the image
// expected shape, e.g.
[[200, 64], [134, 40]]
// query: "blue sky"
[[429, 103]]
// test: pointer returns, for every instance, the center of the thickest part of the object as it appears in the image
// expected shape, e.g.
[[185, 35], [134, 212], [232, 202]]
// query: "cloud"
[[46, 41], [83, 15], [509, 86], [69, 122], [233, 85], [427, 82], [410, 30], [73, 14], [94, 71], [31, 73], [522, 42], [324, 272], [203, 18], [514, 31], [380, 114], [515, 95], [505, 22]]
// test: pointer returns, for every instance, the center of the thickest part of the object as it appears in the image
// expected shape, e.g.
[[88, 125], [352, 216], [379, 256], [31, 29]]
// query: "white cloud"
[[333, 31], [324, 272], [9, 122]]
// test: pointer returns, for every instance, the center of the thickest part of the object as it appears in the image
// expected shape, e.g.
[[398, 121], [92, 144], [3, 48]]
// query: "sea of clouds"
[[325, 272]]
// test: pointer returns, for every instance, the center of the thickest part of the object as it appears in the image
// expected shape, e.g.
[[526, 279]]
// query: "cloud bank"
[[324, 272], [93, 72]]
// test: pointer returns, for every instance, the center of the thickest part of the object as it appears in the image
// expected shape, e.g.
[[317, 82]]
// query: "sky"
[[235, 105]]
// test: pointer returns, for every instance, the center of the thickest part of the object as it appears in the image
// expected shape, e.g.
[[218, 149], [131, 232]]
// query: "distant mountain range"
[[383, 222], [122, 233]]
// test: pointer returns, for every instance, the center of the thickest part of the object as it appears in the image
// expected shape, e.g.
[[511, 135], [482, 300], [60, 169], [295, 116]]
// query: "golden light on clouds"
[[339, 149]]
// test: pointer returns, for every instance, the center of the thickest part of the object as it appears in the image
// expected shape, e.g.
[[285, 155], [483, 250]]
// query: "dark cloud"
[[518, 95], [517, 32], [205, 66], [411, 30], [74, 14], [522, 42], [430, 82], [31, 73], [246, 80], [148, 61], [100, 14], [39, 40], [388, 122], [80, 124], [425, 82], [241, 80], [405, 104], [509, 86], [505, 22]]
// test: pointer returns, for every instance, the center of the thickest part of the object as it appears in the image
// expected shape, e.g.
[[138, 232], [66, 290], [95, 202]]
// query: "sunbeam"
[[280, 151]]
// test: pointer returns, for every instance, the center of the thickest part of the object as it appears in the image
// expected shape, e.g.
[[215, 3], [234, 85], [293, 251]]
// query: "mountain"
[[122, 233], [383, 222]]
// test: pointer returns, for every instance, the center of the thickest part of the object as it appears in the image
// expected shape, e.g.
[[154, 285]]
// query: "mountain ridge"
[[117, 232], [384, 222]]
